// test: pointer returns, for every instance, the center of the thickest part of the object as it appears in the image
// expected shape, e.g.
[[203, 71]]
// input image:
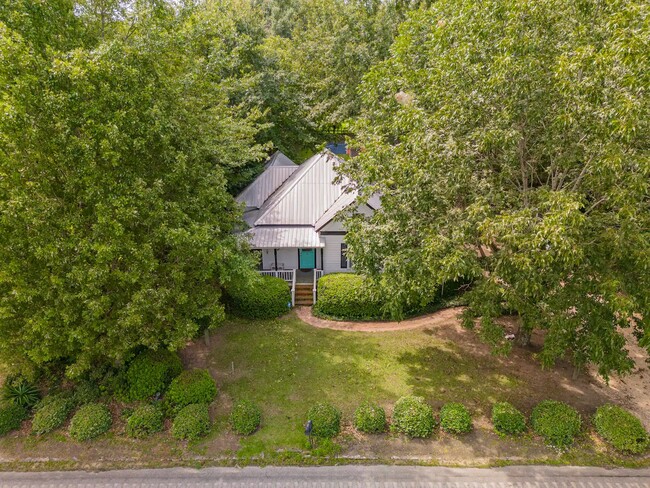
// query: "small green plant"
[[507, 420], [326, 420], [370, 418], [245, 417], [144, 421], [455, 418], [193, 386], [413, 417], [86, 392], [90, 421], [21, 392], [151, 372], [192, 422], [51, 414], [11, 417], [557, 422], [621, 429]]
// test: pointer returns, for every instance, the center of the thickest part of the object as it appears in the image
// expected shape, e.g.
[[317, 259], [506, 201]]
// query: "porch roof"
[[278, 237]]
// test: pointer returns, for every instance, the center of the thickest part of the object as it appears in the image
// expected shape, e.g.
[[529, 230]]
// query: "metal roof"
[[277, 169], [282, 237], [306, 195], [342, 202]]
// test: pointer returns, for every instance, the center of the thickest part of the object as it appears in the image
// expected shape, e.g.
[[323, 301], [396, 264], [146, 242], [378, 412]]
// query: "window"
[[345, 262]]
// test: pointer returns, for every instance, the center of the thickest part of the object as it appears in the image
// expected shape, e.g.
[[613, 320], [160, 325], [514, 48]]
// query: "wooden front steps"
[[304, 295]]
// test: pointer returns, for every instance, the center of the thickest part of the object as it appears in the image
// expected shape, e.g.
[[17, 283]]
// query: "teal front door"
[[307, 258]]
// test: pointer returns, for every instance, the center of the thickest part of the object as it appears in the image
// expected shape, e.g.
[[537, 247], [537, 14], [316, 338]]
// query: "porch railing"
[[288, 275], [317, 275]]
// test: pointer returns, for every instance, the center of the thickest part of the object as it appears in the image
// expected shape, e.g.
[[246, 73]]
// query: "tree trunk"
[[523, 336]]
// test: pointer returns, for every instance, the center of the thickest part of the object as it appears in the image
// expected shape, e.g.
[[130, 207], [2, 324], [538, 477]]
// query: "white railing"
[[317, 275], [288, 275]]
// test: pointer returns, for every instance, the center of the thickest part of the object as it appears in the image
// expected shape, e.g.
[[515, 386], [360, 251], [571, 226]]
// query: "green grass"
[[286, 365]]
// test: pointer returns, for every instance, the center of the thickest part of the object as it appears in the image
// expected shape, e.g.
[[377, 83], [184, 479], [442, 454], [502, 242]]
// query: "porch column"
[[275, 255], [322, 262]]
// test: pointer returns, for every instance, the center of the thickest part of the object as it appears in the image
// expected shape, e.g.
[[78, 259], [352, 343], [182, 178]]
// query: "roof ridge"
[[290, 183]]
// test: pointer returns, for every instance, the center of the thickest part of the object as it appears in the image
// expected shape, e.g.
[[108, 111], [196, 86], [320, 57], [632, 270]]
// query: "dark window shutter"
[[344, 258]]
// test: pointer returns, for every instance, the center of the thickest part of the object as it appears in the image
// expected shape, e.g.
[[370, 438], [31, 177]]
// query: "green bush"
[[86, 392], [345, 296], [151, 372], [245, 417], [370, 418], [192, 422], [11, 417], [621, 429], [326, 420], [455, 418], [144, 421], [193, 386], [413, 417], [556, 422], [507, 420], [21, 392], [90, 421], [51, 413], [267, 297]]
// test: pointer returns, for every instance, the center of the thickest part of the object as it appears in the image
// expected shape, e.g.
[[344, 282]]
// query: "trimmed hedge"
[[11, 417], [192, 386], [144, 421], [345, 295], [245, 417], [455, 418], [326, 420], [90, 421], [370, 418], [413, 417], [192, 422], [265, 298], [621, 429], [51, 414], [557, 422], [151, 372], [507, 420]]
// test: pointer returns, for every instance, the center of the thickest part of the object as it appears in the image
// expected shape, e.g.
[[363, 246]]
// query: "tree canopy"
[[509, 141]]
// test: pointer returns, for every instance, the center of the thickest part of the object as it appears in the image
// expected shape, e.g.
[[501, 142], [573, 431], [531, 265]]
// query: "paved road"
[[339, 477]]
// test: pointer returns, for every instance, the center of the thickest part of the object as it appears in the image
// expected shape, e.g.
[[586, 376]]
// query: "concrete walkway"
[[340, 476]]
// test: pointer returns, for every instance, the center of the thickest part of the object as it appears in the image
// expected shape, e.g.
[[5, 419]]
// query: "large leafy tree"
[[510, 142], [115, 220]]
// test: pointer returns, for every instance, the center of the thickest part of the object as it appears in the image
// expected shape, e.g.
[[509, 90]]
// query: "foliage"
[[51, 414], [193, 386], [144, 421], [267, 297], [621, 429], [90, 421], [346, 296], [520, 161], [370, 418], [556, 422], [413, 417], [86, 392], [326, 420], [151, 372], [455, 418], [21, 392], [11, 417], [192, 422], [245, 417], [507, 420], [116, 225]]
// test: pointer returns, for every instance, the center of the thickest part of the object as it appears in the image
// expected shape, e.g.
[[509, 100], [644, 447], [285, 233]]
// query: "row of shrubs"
[[556, 422], [349, 296]]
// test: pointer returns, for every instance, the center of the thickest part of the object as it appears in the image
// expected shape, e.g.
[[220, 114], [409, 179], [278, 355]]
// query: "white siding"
[[332, 254], [336, 226], [286, 257]]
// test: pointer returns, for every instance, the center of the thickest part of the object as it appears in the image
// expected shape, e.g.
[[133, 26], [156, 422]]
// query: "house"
[[291, 212]]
